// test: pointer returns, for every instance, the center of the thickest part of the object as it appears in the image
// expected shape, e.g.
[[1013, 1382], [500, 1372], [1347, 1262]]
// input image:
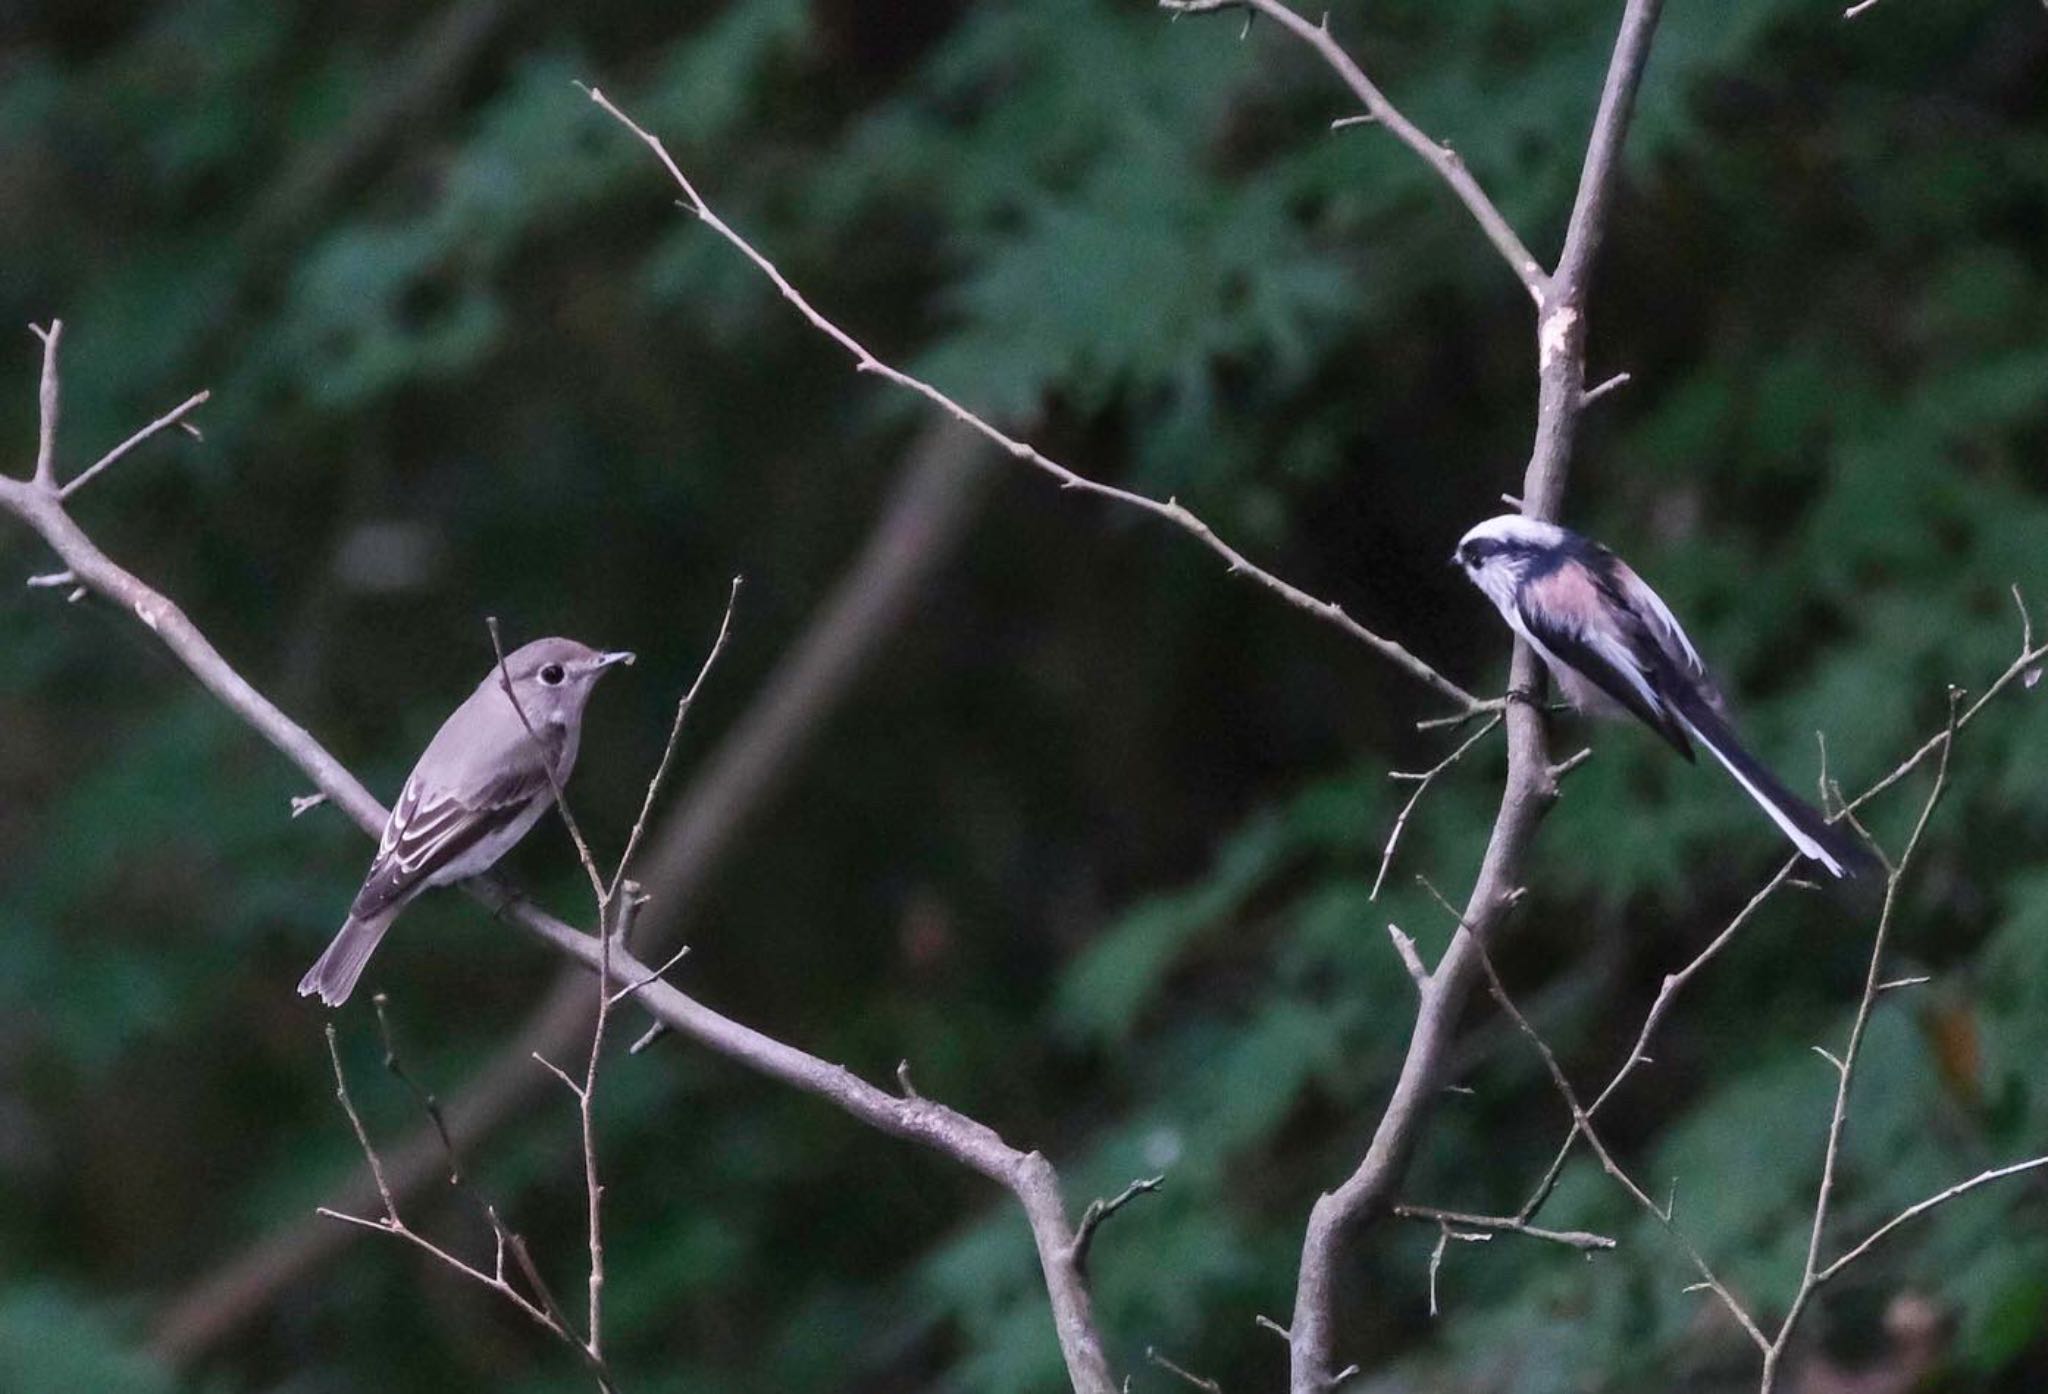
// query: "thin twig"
[[1410, 959], [1447, 163], [48, 398], [1099, 1210], [1919, 1208], [1676, 982], [546, 1317], [1583, 1122], [547, 765], [1444, 1235], [1845, 1064], [1170, 509], [654, 976], [668, 753], [173, 417], [1152, 1355], [1422, 781], [1579, 1239]]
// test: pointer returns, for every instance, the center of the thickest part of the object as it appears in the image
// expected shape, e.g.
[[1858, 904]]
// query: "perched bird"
[[1615, 647], [481, 786]]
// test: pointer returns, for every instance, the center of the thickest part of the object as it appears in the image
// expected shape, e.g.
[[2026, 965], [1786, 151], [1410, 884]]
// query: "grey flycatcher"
[[481, 786]]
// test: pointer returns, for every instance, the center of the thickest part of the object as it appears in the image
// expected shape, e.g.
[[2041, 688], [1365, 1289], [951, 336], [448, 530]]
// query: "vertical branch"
[[1531, 785], [47, 398]]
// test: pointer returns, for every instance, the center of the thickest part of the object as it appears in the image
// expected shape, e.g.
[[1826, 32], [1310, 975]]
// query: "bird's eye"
[[552, 675]]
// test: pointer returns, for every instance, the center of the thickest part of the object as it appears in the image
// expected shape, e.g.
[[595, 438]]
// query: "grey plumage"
[[479, 787]]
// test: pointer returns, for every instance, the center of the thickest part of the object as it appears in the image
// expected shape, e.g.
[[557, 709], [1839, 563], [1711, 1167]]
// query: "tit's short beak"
[[606, 660], [1454, 559]]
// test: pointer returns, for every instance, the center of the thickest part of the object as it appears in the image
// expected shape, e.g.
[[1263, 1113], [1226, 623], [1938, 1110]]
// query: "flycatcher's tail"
[[333, 978], [1812, 834]]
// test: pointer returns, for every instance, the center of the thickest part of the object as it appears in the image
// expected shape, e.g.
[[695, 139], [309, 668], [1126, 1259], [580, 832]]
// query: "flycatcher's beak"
[[606, 660]]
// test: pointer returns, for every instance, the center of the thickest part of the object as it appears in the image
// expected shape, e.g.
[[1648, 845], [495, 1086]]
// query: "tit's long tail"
[[1812, 834], [334, 977]]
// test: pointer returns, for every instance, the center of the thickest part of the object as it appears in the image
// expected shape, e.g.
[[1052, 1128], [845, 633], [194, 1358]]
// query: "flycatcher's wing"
[[431, 828]]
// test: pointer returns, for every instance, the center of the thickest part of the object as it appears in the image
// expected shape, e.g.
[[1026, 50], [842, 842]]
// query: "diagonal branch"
[[928, 510], [1027, 1176], [1171, 509], [174, 417], [1447, 163]]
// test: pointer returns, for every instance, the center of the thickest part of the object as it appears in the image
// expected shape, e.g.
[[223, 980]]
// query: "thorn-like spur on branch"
[[1594, 394], [1170, 509], [1099, 1210], [1410, 959], [1445, 161]]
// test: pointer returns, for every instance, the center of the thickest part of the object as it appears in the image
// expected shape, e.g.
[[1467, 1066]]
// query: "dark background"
[[1091, 841]]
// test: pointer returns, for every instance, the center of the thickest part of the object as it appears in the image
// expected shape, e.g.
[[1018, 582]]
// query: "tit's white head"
[[1497, 554]]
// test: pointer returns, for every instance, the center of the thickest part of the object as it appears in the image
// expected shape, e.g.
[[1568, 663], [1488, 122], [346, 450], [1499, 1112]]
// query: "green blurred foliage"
[[1144, 804]]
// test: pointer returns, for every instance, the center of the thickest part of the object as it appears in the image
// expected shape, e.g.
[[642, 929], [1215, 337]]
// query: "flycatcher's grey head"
[[481, 784], [552, 678]]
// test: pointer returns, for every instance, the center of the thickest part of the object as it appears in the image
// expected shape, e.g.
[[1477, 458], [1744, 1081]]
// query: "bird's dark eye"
[[552, 675]]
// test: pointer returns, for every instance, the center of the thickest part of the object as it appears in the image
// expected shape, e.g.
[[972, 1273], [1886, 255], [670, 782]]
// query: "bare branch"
[[1440, 157], [1676, 982], [1919, 1208], [1579, 1239], [627, 991], [1411, 960], [1530, 788], [668, 753], [1583, 1122], [175, 416], [928, 510], [1099, 1210], [1153, 1356], [1444, 1235], [1171, 509], [1422, 782], [1594, 394], [48, 398], [1845, 1064]]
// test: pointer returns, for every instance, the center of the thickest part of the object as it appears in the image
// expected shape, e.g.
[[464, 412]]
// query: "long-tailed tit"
[[1615, 647]]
